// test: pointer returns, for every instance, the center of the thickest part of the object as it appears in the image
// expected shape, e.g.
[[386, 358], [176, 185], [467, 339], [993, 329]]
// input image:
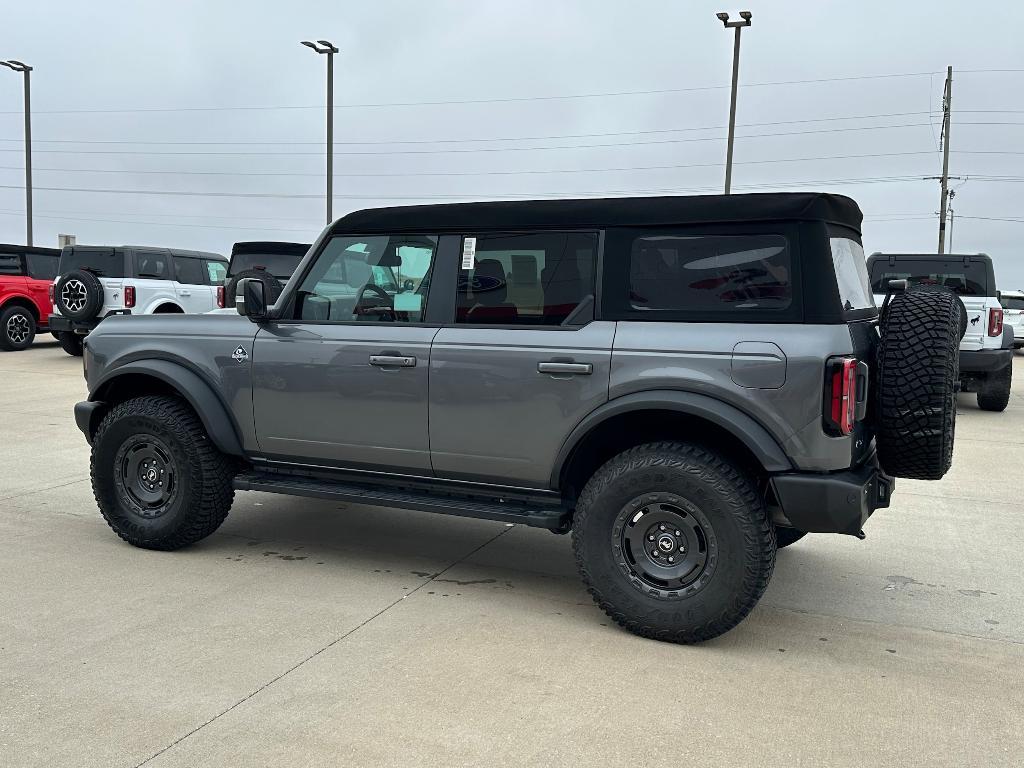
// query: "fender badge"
[[240, 355]]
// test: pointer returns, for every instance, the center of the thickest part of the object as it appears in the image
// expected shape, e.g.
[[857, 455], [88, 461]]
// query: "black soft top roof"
[[36, 249], [606, 212], [270, 246]]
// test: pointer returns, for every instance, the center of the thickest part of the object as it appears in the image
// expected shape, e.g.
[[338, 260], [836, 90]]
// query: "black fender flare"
[[212, 411], [730, 418]]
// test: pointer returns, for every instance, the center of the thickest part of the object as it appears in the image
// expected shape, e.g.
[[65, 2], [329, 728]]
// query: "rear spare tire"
[[78, 295], [994, 394], [918, 367]]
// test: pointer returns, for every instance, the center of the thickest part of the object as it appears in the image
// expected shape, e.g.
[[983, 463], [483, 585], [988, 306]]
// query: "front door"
[[342, 380], [524, 362]]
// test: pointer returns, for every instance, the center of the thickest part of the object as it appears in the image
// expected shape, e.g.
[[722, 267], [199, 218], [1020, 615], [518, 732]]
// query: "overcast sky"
[[157, 97]]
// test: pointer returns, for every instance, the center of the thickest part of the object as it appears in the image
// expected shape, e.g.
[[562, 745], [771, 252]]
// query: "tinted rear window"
[[102, 262], [10, 264], [277, 264], [966, 280], [710, 272], [1012, 302], [41, 266]]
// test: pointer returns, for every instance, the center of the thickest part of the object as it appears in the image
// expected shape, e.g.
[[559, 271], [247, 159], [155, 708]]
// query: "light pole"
[[20, 66], [745, 17], [322, 46]]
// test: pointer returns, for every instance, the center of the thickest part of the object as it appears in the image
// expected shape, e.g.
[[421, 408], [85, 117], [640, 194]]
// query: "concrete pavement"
[[312, 633]]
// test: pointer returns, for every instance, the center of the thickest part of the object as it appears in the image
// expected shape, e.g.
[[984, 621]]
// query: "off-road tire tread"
[[212, 473], [918, 366], [994, 394], [745, 504]]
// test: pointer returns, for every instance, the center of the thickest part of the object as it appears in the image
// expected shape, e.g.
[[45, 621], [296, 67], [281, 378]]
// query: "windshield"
[[277, 264], [964, 279], [102, 262]]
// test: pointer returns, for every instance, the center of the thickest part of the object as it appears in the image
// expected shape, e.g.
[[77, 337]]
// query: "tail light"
[[129, 296], [220, 296], [995, 322], [52, 295], [841, 396]]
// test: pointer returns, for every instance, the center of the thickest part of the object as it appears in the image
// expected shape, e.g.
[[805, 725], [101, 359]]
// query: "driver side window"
[[376, 278]]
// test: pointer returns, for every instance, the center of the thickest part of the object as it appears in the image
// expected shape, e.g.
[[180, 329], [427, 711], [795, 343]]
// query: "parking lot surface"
[[314, 633]]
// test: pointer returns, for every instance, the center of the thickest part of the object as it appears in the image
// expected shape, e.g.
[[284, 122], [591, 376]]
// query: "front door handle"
[[393, 361], [565, 368]]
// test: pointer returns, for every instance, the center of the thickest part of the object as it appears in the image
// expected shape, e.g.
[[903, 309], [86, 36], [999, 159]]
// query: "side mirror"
[[250, 299]]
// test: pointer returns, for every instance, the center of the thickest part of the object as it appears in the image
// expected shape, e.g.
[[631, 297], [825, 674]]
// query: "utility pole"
[[20, 66], [323, 46], [952, 194], [738, 26], [947, 104]]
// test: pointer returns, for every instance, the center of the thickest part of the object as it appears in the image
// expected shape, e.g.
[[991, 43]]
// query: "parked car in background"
[[95, 282], [986, 346], [26, 277], [272, 262], [1013, 314]]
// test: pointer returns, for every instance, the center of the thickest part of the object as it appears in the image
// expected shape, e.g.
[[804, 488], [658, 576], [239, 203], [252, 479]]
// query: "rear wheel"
[[158, 480], [786, 536], [994, 394], [70, 343], [17, 329], [673, 542]]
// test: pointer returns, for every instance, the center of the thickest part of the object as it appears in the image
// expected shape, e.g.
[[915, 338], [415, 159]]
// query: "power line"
[[498, 100], [236, 228], [480, 139], [473, 149]]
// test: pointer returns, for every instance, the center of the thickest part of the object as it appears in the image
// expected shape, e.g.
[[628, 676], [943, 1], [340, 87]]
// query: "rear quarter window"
[[851, 274], [710, 273]]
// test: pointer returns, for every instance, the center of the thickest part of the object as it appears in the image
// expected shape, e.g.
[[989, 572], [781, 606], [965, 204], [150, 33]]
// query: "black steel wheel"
[[146, 475], [664, 544], [679, 501], [158, 480]]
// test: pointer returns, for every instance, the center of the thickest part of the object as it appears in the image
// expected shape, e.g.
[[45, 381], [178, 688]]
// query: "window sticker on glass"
[[468, 252]]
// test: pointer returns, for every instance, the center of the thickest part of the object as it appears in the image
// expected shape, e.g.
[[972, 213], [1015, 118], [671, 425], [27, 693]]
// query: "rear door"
[[524, 361], [195, 294], [12, 275]]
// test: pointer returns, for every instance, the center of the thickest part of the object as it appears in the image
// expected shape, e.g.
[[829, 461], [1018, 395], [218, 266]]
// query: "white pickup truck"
[[986, 349]]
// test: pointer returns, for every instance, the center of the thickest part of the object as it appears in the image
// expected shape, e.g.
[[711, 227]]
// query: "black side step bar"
[[552, 517]]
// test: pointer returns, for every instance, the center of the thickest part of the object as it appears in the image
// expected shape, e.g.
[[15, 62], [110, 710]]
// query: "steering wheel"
[[389, 308]]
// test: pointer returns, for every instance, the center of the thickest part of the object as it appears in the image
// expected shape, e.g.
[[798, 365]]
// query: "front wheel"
[[157, 478], [70, 343], [673, 542], [17, 329]]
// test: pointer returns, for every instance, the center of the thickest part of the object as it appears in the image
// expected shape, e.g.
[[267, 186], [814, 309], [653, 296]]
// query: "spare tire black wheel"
[[78, 295], [272, 287], [917, 370]]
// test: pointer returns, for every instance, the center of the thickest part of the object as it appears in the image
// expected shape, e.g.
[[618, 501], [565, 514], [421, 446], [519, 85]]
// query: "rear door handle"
[[393, 361], [565, 368], [185, 293]]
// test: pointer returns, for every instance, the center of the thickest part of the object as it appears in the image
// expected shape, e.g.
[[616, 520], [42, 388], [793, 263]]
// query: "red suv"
[[26, 276]]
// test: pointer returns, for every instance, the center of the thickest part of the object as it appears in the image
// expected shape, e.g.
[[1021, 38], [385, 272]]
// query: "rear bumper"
[[61, 324], [985, 360], [834, 502]]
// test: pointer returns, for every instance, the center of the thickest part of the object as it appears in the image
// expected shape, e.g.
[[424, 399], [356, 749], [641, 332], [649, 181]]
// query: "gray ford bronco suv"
[[683, 383]]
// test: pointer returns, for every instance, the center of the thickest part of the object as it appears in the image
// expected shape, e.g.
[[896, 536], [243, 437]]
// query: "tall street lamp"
[[737, 25], [20, 66], [322, 46]]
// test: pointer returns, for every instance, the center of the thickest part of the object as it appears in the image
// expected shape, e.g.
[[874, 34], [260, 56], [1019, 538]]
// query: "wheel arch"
[[142, 377], [166, 308], [21, 300], [643, 417]]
